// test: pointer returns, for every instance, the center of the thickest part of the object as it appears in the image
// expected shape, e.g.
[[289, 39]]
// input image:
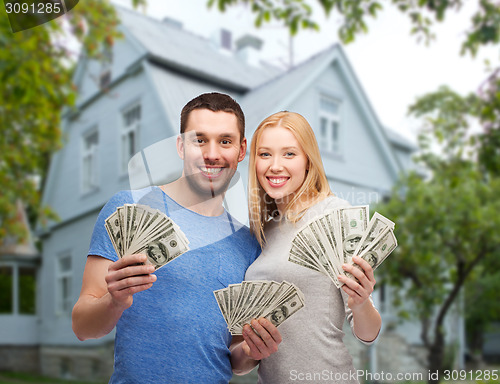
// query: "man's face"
[[351, 244], [156, 253], [278, 316], [211, 150], [372, 259]]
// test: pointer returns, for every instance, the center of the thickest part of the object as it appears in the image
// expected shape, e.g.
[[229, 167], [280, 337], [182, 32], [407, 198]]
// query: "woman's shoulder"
[[330, 202]]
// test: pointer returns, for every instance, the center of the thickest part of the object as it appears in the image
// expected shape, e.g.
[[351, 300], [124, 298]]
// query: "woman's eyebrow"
[[284, 148]]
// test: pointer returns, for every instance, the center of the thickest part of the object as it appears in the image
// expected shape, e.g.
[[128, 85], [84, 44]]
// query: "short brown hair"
[[214, 102]]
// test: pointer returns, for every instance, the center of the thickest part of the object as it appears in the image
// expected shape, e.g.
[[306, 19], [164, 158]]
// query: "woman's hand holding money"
[[360, 288], [367, 320], [127, 276]]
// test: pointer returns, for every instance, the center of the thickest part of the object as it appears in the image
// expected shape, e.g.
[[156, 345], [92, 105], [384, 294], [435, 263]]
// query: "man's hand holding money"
[[258, 341], [127, 276]]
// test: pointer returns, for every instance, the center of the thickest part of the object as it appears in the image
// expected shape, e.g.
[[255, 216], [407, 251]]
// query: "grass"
[[25, 378]]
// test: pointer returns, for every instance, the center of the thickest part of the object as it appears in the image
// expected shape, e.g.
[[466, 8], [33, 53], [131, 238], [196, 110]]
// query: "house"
[[127, 116]]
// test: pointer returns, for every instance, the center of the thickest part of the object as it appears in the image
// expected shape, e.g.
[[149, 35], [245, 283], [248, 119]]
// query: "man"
[[158, 253], [351, 242], [169, 328]]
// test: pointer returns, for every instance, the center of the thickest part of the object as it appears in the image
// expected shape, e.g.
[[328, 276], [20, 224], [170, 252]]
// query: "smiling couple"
[[168, 326]]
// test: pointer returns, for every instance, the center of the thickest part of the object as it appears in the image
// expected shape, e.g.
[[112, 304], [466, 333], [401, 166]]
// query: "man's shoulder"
[[244, 239], [133, 196]]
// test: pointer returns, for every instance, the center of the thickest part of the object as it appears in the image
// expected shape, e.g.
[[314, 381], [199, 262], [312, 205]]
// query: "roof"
[[174, 47], [12, 247], [265, 89], [277, 94], [400, 140]]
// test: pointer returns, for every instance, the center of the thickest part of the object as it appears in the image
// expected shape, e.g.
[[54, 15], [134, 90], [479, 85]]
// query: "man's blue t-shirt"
[[174, 332]]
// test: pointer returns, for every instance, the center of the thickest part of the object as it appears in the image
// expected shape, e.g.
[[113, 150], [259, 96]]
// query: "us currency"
[[378, 250], [376, 226], [353, 223], [112, 225], [327, 242], [136, 228], [286, 309], [317, 253], [240, 303]]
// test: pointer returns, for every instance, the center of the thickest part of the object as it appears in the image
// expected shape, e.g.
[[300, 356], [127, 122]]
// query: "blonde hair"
[[261, 207]]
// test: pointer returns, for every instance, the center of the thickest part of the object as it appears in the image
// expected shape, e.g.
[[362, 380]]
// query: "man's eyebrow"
[[231, 135]]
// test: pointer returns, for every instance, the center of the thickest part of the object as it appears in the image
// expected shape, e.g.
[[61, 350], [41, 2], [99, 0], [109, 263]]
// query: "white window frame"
[[330, 121], [89, 162], [64, 305], [106, 64], [125, 132]]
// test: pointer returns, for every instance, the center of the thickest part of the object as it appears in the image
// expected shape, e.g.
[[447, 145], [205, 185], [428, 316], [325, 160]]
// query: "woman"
[[287, 188]]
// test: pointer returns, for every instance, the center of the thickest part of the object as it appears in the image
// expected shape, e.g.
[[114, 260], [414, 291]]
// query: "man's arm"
[[107, 290], [249, 349]]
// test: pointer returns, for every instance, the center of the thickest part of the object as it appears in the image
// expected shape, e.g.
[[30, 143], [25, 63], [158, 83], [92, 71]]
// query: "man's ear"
[[243, 150], [180, 146]]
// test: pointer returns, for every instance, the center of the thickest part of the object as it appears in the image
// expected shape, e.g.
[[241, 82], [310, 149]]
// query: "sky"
[[392, 67]]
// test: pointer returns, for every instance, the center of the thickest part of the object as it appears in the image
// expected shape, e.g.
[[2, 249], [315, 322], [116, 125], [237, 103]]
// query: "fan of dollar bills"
[[240, 303], [136, 228], [330, 240]]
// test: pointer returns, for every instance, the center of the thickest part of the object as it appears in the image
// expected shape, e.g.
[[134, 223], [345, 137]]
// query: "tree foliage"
[[354, 14], [447, 220], [36, 68]]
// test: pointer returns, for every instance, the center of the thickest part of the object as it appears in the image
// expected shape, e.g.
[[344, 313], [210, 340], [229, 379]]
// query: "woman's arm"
[[367, 320]]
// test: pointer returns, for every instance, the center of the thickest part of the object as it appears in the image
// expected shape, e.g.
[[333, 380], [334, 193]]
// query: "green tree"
[[446, 218], [36, 67]]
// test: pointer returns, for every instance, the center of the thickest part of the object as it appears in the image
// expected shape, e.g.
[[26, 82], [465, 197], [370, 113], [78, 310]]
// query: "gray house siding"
[[162, 67], [71, 239], [360, 158]]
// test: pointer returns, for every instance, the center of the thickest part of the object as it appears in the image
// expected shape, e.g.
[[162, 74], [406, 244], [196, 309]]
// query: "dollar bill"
[[136, 228], [378, 250], [330, 240], [376, 226], [240, 303], [353, 223]]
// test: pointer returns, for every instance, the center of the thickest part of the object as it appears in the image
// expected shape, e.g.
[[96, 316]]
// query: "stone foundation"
[[19, 358], [83, 363]]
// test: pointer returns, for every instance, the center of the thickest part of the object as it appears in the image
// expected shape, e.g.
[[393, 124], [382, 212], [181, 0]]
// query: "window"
[[17, 290], [131, 121], [6, 292], [64, 278], [329, 125], [89, 161], [27, 289]]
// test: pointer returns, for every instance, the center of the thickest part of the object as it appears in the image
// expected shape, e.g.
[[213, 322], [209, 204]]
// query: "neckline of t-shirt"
[[224, 212], [317, 205]]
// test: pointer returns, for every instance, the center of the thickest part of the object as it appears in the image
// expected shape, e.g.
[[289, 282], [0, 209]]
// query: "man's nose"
[[211, 152]]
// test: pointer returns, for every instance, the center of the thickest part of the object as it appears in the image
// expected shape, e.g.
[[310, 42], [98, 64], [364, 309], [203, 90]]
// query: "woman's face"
[[280, 164]]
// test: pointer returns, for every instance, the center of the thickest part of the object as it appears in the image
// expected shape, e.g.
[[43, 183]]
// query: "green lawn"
[[25, 378]]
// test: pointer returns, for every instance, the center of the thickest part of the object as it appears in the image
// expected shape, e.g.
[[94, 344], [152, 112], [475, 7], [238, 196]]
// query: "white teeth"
[[211, 171], [277, 181]]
